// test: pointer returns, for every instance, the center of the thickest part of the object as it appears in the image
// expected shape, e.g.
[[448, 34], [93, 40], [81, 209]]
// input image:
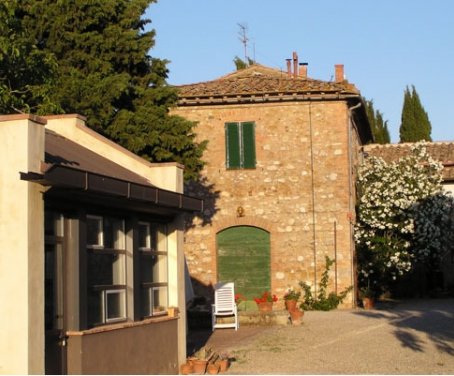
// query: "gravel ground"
[[411, 337]]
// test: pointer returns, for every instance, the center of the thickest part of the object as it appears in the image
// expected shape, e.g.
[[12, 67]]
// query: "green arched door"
[[244, 258]]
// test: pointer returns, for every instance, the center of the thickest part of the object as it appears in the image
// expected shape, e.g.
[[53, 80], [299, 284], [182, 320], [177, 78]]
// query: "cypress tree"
[[415, 125], [378, 126], [105, 72]]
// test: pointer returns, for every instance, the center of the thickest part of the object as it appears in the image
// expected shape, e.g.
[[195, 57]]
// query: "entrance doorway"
[[244, 258]]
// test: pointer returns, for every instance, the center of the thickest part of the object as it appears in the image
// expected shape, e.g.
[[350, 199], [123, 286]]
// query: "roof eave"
[[70, 178]]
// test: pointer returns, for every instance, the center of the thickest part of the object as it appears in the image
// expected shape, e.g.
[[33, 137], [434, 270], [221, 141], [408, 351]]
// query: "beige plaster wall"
[[163, 175], [301, 190], [449, 188], [22, 254]]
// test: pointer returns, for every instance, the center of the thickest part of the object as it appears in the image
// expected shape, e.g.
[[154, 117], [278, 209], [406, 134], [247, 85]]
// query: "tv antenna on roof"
[[243, 38]]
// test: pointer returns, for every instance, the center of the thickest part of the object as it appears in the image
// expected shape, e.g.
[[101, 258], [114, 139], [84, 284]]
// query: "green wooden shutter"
[[248, 138], [232, 145]]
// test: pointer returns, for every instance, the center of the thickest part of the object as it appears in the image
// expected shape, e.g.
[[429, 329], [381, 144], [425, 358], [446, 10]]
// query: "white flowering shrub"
[[400, 210], [434, 228]]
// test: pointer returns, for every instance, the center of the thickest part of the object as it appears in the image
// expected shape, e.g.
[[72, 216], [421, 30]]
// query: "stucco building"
[[279, 183], [92, 254]]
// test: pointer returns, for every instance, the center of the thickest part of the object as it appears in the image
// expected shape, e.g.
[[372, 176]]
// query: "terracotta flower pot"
[[199, 366], [290, 305], [296, 316], [212, 369], [368, 303], [186, 369], [265, 306], [223, 365]]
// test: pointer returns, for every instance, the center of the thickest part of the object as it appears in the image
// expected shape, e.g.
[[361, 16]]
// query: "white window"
[[106, 269], [113, 305], [153, 268]]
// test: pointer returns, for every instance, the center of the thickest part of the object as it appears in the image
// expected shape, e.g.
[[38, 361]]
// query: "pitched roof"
[[440, 151], [260, 83], [79, 174], [64, 152]]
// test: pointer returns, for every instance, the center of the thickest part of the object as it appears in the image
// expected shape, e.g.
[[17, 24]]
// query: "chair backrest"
[[224, 296]]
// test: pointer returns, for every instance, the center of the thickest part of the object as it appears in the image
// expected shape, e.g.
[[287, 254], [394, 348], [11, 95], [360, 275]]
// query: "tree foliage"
[[379, 127], [241, 64], [415, 125], [104, 72], [403, 217], [26, 72]]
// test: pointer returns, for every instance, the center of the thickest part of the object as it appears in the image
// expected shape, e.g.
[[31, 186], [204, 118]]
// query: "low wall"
[[146, 347]]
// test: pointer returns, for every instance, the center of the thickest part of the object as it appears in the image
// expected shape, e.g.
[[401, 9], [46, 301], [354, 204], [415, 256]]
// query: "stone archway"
[[244, 257]]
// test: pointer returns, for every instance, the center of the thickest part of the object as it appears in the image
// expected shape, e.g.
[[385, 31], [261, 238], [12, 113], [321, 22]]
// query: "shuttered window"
[[240, 145]]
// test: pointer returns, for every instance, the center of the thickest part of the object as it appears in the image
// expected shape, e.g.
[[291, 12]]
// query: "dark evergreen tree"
[[378, 126], [105, 72], [26, 73], [415, 125]]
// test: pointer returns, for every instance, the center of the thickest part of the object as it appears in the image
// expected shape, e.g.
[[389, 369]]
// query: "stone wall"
[[301, 190]]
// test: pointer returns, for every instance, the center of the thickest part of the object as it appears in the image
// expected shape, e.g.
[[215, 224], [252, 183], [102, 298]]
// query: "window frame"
[[154, 251], [100, 249]]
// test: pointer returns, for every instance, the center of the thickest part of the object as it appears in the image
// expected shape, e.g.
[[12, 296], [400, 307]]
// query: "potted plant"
[[200, 360], [367, 296], [265, 302], [291, 298], [223, 362]]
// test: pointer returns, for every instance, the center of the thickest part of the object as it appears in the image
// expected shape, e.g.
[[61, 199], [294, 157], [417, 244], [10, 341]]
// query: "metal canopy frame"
[[71, 179]]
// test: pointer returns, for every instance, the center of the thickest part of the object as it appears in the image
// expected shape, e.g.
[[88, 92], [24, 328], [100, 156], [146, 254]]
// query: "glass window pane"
[[94, 230], [115, 305], [144, 235], [146, 268], [160, 268], [146, 302], [114, 233], [159, 299], [53, 223], [153, 268], [161, 238], [94, 307], [105, 269]]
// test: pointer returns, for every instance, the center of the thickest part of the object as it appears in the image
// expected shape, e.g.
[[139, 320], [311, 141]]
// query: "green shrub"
[[322, 302]]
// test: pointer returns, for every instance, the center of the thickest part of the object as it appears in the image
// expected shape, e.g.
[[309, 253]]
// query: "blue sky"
[[385, 45]]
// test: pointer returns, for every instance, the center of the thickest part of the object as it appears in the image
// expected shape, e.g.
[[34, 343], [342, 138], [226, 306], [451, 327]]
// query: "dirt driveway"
[[410, 337]]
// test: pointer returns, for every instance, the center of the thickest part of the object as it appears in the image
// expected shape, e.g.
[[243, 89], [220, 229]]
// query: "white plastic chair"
[[224, 305]]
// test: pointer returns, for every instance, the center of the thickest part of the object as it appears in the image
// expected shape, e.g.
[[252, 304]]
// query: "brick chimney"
[[289, 67], [295, 64], [339, 72], [303, 70]]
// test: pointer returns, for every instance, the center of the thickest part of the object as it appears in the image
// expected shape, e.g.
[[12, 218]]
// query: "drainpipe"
[[313, 199], [335, 256], [350, 199]]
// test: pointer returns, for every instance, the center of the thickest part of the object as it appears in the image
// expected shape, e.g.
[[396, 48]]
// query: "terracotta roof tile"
[[441, 151], [259, 80]]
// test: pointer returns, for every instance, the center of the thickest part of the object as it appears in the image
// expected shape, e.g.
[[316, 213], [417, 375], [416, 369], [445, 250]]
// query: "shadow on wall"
[[202, 189], [433, 317]]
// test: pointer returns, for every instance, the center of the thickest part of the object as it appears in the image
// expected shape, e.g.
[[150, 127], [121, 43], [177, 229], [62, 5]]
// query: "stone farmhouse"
[[93, 253], [279, 183]]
